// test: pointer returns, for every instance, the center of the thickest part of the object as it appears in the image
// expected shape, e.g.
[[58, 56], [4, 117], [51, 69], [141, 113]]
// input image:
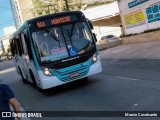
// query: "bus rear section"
[[63, 48]]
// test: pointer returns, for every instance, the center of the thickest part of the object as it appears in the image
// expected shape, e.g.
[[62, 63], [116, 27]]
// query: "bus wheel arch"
[[33, 78], [23, 79], [34, 81]]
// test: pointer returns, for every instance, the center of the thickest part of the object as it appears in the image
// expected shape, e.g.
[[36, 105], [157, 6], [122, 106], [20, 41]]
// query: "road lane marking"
[[7, 70], [127, 78]]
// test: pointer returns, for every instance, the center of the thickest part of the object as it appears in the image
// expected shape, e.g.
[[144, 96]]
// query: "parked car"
[[8, 56], [109, 38], [2, 58]]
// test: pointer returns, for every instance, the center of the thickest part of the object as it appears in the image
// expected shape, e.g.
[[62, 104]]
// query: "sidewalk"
[[107, 45], [144, 50]]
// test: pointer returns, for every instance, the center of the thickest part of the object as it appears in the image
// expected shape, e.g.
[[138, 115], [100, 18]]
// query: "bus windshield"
[[62, 42]]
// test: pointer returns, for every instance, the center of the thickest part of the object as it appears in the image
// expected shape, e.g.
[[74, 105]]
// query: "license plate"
[[74, 75]]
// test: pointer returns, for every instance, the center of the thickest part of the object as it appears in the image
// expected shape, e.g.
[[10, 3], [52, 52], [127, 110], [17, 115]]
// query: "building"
[[105, 19], [9, 30], [139, 15], [4, 41], [22, 11], [4, 44], [26, 9], [15, 13]]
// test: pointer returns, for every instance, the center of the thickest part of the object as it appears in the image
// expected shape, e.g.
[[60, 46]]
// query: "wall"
[[14, 12], [107, 26], [105, 19], [135, 19], [24, 10], [145, 37]]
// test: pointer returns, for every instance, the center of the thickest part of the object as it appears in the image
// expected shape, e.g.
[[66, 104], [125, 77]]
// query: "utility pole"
[[66, 2], [2, 47]]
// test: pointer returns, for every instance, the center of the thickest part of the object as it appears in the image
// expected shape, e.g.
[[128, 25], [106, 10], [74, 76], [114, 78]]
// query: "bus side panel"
[[16, 64], [96, 67], [34, 71]]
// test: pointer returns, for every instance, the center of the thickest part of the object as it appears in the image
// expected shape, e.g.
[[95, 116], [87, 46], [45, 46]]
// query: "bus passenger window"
[[27, 45], [12, 47], [19, 45]]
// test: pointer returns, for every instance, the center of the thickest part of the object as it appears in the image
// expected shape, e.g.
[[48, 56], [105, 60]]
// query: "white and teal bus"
[[55, 49]]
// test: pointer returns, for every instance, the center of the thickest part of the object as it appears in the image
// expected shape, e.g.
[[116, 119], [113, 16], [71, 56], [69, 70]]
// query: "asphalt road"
[[130, 81]]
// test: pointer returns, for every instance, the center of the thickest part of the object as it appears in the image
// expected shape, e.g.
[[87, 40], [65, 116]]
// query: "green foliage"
[[43, 7], [100, 3], [53, 6], [8, 50]]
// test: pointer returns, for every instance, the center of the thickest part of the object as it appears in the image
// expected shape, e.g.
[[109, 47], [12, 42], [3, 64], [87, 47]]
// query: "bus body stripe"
[[35, 58]]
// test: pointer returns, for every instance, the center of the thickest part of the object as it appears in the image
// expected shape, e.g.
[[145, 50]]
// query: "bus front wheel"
[[23, 79], [34, 82], [33, 79]]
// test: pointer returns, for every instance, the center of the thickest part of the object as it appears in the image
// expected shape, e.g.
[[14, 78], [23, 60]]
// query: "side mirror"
[[94, 36], [90, 24]]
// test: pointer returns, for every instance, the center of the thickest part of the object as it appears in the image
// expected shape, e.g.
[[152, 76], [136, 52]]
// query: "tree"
[[43, 7]]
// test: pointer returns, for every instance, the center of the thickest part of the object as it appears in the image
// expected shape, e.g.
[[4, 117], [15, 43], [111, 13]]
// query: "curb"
[[109, 45]]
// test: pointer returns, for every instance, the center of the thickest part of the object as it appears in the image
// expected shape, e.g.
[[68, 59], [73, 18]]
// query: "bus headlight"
[[46, 71], [94, 58]]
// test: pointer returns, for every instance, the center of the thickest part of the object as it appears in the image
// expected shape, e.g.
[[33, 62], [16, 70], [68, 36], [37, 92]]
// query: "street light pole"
[[2, 47], [66, 2]]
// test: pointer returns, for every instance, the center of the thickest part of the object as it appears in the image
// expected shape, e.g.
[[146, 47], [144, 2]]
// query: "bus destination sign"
[[56, 21]]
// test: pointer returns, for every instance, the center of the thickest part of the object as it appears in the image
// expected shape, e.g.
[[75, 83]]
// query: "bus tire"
[[23, 79], [34, 82], [85, 78]]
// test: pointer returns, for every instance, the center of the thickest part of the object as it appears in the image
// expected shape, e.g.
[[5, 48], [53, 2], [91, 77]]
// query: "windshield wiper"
[[50, 33], [71, 33], [53, 36]]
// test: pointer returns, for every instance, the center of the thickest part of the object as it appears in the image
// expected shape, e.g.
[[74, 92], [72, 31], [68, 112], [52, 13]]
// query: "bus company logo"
[[70, 59], [6, 114], [12, 114]]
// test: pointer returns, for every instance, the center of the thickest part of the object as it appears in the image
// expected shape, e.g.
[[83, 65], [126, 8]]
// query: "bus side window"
[[23, 43], [19, 45], [26, 45], [12, 47], [15, 46]]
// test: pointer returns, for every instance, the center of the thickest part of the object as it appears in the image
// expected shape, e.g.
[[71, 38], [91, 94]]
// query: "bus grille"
[[81, 75]]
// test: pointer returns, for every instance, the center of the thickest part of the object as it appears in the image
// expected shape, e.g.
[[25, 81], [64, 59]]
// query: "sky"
[[6, 17]]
